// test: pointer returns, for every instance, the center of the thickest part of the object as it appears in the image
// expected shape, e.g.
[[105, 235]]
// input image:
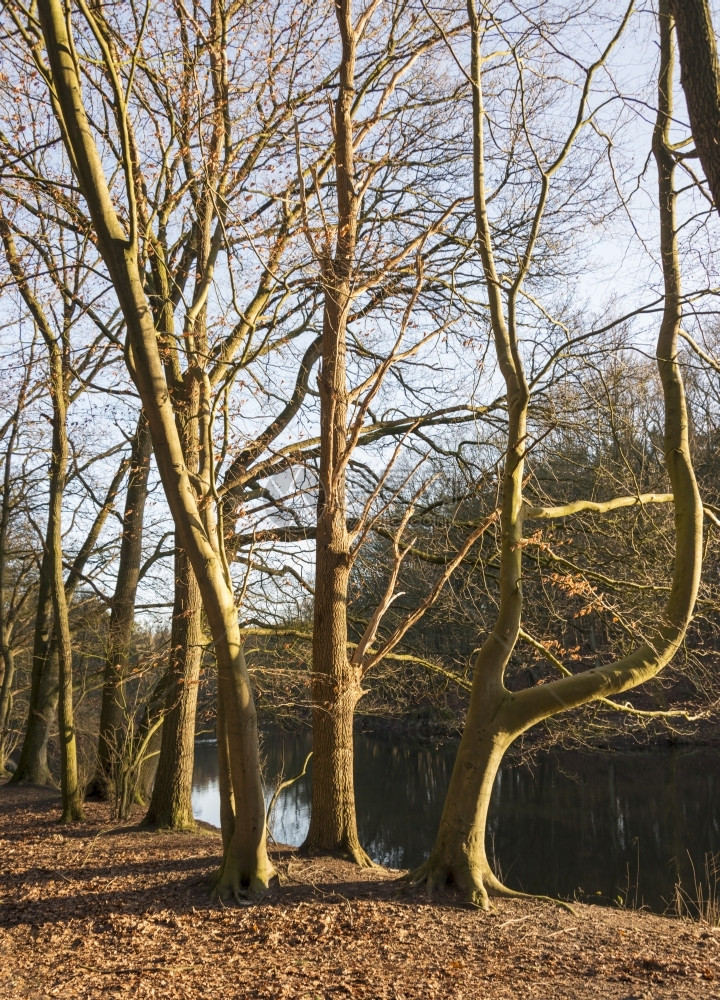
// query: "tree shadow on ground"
[[93, 870]]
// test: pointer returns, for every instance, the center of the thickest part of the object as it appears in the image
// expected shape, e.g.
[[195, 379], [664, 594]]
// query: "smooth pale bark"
[[700, 78], [171, 800], [114, 719], [245, 865], [335, 680], [497, 716]]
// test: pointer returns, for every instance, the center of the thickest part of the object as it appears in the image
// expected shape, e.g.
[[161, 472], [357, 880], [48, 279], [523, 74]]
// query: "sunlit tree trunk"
[[335, 681], [700, 78], [245, 866], [496, 715]]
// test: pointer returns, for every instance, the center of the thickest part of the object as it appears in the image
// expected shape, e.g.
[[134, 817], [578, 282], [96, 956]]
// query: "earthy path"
[[93, 911]]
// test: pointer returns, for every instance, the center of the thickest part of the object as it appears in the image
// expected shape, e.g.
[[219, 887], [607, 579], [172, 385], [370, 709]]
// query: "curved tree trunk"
[[245, 866], [497, 716]]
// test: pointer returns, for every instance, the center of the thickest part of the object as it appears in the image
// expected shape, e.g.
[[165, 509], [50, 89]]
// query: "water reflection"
[[591, 825]]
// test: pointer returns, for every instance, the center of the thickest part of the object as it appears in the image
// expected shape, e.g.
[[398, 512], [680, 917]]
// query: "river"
[[609, 827]]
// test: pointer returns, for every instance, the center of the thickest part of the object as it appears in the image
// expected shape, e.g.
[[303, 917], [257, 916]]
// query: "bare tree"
[[497, 715]]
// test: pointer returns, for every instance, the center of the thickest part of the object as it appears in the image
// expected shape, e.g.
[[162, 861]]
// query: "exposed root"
[[358, 856], [476, 884], [347, 850], [231, 883], [436, 875], [496, 888]]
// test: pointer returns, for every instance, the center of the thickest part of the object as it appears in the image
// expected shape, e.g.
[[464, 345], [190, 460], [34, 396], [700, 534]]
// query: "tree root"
[[358, 856], [243, 888], [477, 884], [347, 850], [72, 814], [498, 889]]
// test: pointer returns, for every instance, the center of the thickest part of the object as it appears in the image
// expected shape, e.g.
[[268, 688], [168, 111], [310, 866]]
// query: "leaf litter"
[[93, 910]]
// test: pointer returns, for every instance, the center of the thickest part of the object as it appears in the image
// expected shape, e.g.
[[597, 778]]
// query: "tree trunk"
[[335, 681], [171, 800], [245, 866], [69, 780], [497, 716], [335, 690], [54, 656], [6, 649], [459, 854], [6, 702], [114, 718], [33, 766], [700, 78], [149, 735]]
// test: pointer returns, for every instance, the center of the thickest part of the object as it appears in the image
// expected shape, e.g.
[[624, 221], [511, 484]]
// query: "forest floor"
[[95, 910]]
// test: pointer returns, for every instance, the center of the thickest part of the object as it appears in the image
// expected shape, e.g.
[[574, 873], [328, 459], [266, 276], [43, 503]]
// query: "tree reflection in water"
[[598, 826]]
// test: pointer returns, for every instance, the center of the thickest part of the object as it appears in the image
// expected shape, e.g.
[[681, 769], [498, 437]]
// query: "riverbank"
[[585, 730], [92, 910]]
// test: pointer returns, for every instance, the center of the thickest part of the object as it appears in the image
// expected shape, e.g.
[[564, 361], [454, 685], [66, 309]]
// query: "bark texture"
[[700, 78], [335, 680]]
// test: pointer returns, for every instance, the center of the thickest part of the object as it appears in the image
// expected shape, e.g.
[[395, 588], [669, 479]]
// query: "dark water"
[[591, 826]]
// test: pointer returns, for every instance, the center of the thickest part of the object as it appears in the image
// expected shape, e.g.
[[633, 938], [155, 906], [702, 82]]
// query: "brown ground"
[[96, 911]]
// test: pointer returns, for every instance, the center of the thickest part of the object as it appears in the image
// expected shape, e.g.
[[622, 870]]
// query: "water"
[[603, 826]]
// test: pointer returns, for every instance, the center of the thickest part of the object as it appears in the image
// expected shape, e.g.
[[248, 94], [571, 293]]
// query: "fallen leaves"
[[96, 912]]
